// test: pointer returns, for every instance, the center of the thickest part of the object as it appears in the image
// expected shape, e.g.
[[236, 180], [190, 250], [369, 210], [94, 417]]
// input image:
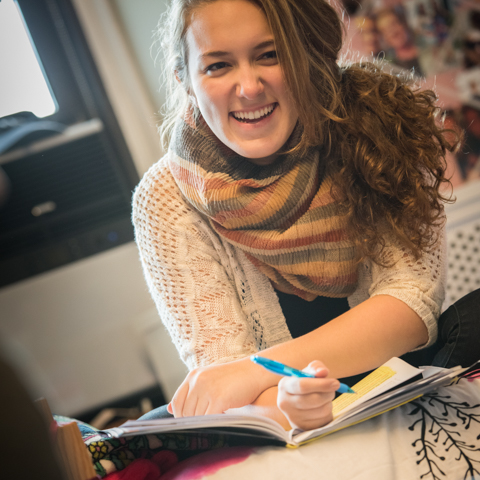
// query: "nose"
[[249, 83]]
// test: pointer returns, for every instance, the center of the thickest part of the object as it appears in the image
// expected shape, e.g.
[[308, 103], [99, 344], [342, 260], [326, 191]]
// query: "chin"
[[264, 161], [258, 156]]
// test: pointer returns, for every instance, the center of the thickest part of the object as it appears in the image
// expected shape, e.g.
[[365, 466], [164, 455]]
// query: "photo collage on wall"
[[438, 42]]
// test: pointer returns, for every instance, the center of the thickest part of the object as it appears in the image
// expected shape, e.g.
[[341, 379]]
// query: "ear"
[[191, 95], [177, 78], [193, 99]]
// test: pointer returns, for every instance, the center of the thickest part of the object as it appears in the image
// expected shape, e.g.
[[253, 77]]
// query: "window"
[[23, 83], [67, 168]]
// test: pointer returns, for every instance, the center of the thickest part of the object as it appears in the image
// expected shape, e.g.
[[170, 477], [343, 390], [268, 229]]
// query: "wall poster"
[[438, 41]]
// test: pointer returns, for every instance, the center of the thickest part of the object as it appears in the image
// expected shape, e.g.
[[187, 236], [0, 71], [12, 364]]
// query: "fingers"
[[307, 402], [185, 402], [212, 409], [307, 410], [314, 419], [190, 406], [202, 406], [188, 402], [307, 418], [305, 386], [306, 393], [317, 368], [178, 400]]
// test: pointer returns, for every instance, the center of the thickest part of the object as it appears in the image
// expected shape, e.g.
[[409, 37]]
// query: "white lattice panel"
[[463, 261], [463, 241]]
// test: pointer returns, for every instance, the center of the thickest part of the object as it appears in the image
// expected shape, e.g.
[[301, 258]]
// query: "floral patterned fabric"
[[114, 454]]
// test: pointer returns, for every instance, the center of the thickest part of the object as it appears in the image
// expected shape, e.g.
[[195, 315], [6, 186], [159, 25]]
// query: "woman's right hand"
[[307, 402]]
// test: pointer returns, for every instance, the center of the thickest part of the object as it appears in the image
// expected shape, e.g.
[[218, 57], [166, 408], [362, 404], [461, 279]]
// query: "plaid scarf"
[[282, 216]]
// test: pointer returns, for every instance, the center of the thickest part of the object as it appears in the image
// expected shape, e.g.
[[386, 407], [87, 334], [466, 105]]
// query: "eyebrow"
[[221, 53]]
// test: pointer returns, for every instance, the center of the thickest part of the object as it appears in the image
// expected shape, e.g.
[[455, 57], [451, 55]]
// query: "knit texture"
[[281, 215], [218, 307]]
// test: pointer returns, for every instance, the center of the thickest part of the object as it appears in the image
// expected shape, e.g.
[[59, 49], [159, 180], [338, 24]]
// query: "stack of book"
[[389, 386]]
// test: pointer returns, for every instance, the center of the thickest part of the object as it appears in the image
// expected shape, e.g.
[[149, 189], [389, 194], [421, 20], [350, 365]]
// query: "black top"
[[302, 316]]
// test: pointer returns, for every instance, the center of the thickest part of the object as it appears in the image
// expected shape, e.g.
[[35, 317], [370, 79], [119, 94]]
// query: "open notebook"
[[391, 385]]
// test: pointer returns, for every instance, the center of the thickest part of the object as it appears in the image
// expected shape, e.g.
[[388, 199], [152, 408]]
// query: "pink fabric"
[[208, 463], [143, 469]]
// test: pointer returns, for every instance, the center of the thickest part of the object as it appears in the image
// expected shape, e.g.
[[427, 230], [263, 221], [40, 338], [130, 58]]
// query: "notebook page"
[[391, 373]]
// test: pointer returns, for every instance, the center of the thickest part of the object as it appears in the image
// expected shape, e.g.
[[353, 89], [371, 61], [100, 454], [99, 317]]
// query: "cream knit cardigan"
[[217, 306]]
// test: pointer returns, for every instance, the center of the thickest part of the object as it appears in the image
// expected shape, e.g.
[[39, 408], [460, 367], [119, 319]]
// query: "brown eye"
[[215, 67], [271, 54], [269, 58]]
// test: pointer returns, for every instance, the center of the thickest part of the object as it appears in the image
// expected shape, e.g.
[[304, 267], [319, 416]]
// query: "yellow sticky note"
[[363, 387]]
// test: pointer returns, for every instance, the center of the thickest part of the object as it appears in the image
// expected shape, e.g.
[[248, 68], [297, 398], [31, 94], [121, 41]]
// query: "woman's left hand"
[[307, 402], [217, 388]]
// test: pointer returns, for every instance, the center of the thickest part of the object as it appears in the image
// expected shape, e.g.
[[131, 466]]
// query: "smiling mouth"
[[256, 116]]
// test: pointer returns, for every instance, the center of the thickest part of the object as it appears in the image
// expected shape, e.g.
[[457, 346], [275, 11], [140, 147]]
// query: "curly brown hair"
[[390, 151], [383, 139]]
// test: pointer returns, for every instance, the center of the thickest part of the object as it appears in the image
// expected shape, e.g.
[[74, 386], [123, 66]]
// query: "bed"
[[433, 437]]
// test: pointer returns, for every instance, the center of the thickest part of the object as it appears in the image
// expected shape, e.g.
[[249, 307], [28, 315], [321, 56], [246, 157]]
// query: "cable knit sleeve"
[[193, 290], [418, 283]]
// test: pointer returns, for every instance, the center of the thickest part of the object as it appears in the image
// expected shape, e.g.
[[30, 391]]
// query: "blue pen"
[[281, 369]]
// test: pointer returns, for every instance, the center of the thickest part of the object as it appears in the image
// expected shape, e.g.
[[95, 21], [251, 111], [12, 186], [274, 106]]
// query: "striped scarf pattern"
[[282, 216]]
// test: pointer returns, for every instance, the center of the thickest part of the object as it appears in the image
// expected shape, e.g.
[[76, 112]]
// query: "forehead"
[[226, 25], [387, 18]]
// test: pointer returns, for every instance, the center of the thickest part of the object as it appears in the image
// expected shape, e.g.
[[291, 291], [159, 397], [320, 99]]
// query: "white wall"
[[139, 19], [72, 331], [81, 334]]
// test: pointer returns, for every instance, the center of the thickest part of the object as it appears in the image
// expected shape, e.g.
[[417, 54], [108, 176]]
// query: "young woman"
[[297, 212]]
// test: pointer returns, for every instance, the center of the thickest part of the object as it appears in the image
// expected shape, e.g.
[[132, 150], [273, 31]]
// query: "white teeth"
[[253, 115]]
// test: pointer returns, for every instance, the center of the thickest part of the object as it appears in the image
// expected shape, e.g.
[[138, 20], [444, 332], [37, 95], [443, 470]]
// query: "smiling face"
[[236, 81], [394, 32]]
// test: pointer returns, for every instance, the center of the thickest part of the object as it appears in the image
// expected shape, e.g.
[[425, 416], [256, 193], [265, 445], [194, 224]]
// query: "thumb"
[[317, 368]]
